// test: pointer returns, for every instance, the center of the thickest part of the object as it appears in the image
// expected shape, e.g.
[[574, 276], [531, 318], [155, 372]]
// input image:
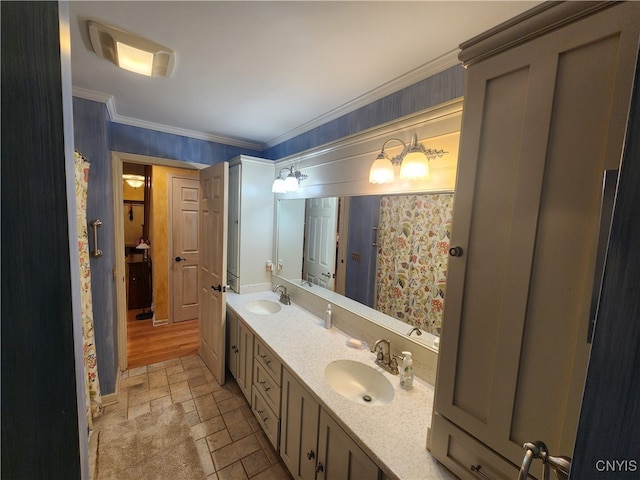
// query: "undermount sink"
[[358, 382], [263, 307]]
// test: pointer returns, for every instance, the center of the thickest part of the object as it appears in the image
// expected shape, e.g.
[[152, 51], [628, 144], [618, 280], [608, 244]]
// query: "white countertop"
[[393, 435]]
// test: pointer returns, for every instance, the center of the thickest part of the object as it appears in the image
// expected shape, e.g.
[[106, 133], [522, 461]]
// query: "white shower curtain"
[[92, 385]]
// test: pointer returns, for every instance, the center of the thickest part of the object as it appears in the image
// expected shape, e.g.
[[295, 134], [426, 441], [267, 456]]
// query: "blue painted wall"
[[430, 92], [91, 136], [142, 141], [360, 278], [96, 137]]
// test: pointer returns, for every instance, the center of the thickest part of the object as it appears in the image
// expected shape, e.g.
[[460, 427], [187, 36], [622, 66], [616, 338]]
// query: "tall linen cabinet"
[[545, 112], [250, 231]]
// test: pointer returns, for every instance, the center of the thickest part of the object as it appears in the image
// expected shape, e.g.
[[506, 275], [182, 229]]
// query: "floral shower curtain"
[[413, 239], [92, 385]]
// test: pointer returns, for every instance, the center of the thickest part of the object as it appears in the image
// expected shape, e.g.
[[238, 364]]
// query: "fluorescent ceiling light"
[[134, 59], [131, 52]]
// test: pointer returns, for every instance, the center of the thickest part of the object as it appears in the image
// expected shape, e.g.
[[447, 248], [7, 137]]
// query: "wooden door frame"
[[117, 160]]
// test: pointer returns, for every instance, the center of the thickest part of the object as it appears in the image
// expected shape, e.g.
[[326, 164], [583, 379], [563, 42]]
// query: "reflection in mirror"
[[388, 252]]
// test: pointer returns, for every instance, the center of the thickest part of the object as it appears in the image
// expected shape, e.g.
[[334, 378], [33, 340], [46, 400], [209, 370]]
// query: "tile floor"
[[230, 441]]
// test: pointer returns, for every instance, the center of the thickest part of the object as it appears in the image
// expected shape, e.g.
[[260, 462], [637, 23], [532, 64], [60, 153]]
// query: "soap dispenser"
[[406, 371], [327, 317]]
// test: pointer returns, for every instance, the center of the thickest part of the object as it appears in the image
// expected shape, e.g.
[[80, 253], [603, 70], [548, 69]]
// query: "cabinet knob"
[[456, 251], [319, 468], [311, 454]]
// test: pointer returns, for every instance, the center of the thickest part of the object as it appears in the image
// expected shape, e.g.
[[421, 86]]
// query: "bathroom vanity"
[[319, 432]]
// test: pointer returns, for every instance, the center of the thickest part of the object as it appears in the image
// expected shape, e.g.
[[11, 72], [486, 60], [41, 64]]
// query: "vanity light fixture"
[[134, 181], [289, 183], [413, 162], [131, 52]]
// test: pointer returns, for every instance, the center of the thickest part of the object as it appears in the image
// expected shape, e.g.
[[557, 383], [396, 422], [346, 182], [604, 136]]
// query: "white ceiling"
[[256, 73]]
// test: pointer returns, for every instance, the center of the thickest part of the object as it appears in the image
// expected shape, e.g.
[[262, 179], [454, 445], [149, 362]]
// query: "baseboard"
[[112, 398]]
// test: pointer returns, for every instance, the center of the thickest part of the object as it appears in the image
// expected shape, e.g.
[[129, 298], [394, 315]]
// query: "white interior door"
[[320, 241], [213, 266], [185, 200]]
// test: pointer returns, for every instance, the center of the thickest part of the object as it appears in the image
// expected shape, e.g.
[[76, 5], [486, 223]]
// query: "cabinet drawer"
[[269, 421], [267, 386], [459, 451], [269, 361]]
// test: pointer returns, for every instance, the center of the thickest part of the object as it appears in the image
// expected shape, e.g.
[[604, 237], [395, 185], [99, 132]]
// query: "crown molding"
[[440, 64], [134, 122]]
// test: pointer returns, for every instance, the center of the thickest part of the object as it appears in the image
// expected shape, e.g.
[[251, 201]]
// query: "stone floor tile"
[[137, 371], [234, 471], [231, 404], [205, 457], [206, 407], [275, 472], [205, 388], [268, 449], [158, 378], [140, 409], [225, 456], [217, 440], [237, 424], [207, 427], [255, 463], [180, 392], [192, 418], [147, 396], [161, 402], [189, 406]]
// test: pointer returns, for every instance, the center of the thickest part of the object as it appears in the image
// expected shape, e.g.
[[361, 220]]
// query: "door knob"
[[456, 251], [180, 259], [219, 288]]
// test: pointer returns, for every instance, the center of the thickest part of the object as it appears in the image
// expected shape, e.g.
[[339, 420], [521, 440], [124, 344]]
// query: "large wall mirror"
[[382, 246], [387, 252]]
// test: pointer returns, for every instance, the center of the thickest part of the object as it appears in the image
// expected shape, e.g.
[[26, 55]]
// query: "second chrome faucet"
[[384, 358], [284, 296]]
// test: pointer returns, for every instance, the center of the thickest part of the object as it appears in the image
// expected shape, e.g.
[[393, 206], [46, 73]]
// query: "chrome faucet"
[[284, 296], [414, 329], [382, 349]]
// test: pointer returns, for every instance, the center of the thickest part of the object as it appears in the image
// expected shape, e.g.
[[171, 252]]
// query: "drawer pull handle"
[[266, 359], [263, 383], [478, 470]]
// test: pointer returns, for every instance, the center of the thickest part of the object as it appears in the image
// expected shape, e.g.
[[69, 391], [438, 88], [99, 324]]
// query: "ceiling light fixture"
[[131, 52], [134, 181], [290, 183], [413, 162]]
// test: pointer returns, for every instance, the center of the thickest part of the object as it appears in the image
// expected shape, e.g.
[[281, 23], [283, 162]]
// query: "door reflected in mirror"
[[388, 252]]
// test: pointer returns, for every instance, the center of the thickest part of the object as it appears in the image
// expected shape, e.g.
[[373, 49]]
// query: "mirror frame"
[[342, 169]]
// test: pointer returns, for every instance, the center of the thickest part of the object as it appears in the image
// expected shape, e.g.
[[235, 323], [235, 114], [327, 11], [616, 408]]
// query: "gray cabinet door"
[[299, 428], [542, 122], [245, 359], [339, 457]]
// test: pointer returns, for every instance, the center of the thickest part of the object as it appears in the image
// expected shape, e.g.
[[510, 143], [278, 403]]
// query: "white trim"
[[117, 159], [112, 398], [429, 116]]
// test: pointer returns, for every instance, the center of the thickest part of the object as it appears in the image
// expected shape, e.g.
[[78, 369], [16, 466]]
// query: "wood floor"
[[147, 344]]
